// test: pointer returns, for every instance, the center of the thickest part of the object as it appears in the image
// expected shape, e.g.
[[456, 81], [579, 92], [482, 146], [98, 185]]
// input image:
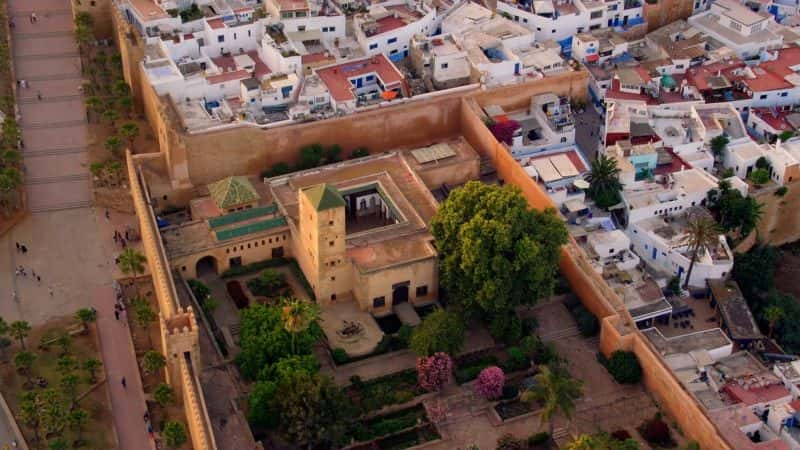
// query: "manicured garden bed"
[[513, 408], [391, 389], [468, 370], [398, 430]]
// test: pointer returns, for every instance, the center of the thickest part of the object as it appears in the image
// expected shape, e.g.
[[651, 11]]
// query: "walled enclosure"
[[780, 222]]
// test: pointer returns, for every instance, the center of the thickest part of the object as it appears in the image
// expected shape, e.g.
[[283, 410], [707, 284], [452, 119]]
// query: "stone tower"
[[322, 229], [180, 338]]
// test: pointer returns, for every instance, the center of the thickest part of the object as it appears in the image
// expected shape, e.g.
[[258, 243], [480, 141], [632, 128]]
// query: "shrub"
[[587, 323], [655, 431], [624, 367], [268, 284], [504, 131], [359, 153], [529, 325], [490, 382], [621, 435], [509, 442], [538, 438], [759, 177], [781, 191], [403, 396], [433, 372], [440, 331], [404, 335], [516, 360], [528, 345], [280, 168], [340, 356]]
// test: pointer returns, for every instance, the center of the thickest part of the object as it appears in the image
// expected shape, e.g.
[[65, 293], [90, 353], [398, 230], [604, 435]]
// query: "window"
[[736, 26], [393, 52], [378, 302], [221, 38], [763, 97], [332, 29], [784, 94], [249, 33], [301, 27], [333, 297], [330, 243], [538, 28], [234, 36], [324, 29], [444, 65], [422, 291], [333, 278], [330, 223], [370, 77], [391, 40], [373, 46]]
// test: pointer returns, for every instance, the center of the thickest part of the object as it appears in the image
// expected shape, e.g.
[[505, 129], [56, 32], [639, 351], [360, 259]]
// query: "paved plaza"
[[69, 244]]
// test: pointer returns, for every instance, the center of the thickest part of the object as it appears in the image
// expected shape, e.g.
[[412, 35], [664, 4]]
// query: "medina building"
[[358, 229]]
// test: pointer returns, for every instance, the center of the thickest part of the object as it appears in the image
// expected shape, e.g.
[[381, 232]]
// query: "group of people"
[[20, 271]]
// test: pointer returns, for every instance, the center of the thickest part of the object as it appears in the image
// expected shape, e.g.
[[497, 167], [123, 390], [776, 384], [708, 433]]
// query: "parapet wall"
[[617, 329], [178, 338]]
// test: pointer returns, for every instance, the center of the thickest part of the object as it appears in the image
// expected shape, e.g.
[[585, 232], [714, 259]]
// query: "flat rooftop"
[[701, 340]]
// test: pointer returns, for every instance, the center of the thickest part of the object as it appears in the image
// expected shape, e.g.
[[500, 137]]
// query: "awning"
[[593, 58], [389, 95]]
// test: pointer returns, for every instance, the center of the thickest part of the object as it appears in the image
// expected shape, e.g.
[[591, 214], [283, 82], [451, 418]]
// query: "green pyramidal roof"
[[323, 196], [232, 191]]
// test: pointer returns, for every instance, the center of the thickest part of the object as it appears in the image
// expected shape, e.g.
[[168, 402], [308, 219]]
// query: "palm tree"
[[604, 184], [10, 181], [69, 387], [702, 233], [131, 261], [86, 316], [94, 104], [556, 392], [113, 144], [111, 116], [750, 215], [92, 365], [19, 330], [153, 361], [718, 146], [23, 361], [297, 316], [129, 131], [773, 314], [5, 342], [78, 418]]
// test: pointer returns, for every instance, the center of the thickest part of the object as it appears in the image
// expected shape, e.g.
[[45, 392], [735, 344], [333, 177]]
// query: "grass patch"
[[391, 389]]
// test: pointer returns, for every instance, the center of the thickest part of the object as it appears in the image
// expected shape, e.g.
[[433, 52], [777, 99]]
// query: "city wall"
[[186, 382], [100, 11], [780, 223], [617, 330], [662, 12]]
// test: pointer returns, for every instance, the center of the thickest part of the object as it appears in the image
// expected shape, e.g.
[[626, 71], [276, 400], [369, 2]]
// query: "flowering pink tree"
[[433, 372], [490, 382], [504, 131]]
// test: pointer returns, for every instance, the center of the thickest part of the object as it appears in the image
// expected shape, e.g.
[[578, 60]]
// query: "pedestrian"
[[18, 247], [50, 290], [31, 17], [24, 249], [124, 383], [146, 416], [11, 25], [33, 273], [108, 215], [35, 17], [39, 95], [123, 243], [126, 236], [116, 238], [14, 295], [39, 280], [116, 314]]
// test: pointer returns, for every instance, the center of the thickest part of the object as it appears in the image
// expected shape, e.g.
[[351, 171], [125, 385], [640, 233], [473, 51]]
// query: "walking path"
[[69, 243]]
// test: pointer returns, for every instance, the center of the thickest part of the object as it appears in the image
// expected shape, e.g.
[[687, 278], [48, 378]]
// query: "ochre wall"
[[616, 330], [101, 16], [780, 222], [663, 12]]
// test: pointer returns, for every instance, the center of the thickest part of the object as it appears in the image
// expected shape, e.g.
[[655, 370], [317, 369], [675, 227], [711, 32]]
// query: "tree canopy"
[[604, 184], [495, 252], [440, 331]]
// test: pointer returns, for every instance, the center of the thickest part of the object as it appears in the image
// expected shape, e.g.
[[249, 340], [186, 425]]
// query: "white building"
[[387, 27], [737, 27]]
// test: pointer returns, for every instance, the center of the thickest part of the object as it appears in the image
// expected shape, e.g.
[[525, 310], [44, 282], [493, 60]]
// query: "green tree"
[[91, 366], [64, 342], [78, 418], [10, 182], [5, 342], [66, 364], [86, 316], [129, 131], [143, 314], [153, 361], [601, 441], [759, 177], [440, 331], [174, 434], [58, 444], [297, 316], [69, 387], [261, 412], [131, 262], [277, 169], [604, 184], [94, 104], [263, 339], [718, 146], [556, 391], [164, 394], [19, 330], [495, 253], [23, 361], [310, 157], [702, 234], [359, 153], [313, 411], [773, 314], [125, 103], [113, 144], [624, 367], [29, 413], [111, 116]]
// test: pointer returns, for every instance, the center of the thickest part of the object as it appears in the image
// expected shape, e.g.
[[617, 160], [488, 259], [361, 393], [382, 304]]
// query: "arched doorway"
[[399, 294], [206, 265]]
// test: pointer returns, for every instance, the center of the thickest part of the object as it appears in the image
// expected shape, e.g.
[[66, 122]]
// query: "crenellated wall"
[[179, 330]]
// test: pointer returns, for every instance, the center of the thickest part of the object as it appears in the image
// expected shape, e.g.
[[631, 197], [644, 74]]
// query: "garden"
[[55, 382]]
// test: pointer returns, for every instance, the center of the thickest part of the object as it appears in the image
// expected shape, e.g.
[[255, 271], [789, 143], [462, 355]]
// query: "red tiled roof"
[[698, 76], [777, 120], [216, 23], [337, 78], [755, 395], [293, 5], [228, 76], [390, 23], [227, 63], [675, 166], [770, 74]]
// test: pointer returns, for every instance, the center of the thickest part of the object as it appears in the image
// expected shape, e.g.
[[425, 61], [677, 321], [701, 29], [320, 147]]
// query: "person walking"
[[24, 249], [50, 290], [18, 247], [116, 314], [124, 383], [39, 95]]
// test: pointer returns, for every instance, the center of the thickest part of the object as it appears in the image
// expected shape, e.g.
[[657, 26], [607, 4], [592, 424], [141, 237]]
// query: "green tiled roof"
[[323, 196], [263, 225], [232, 191], [241, 216]]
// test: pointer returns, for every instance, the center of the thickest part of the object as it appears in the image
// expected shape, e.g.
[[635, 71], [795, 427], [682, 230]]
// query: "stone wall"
[[100, 10], [780, 223], [617, 331], [662, 12], [178, 327]]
